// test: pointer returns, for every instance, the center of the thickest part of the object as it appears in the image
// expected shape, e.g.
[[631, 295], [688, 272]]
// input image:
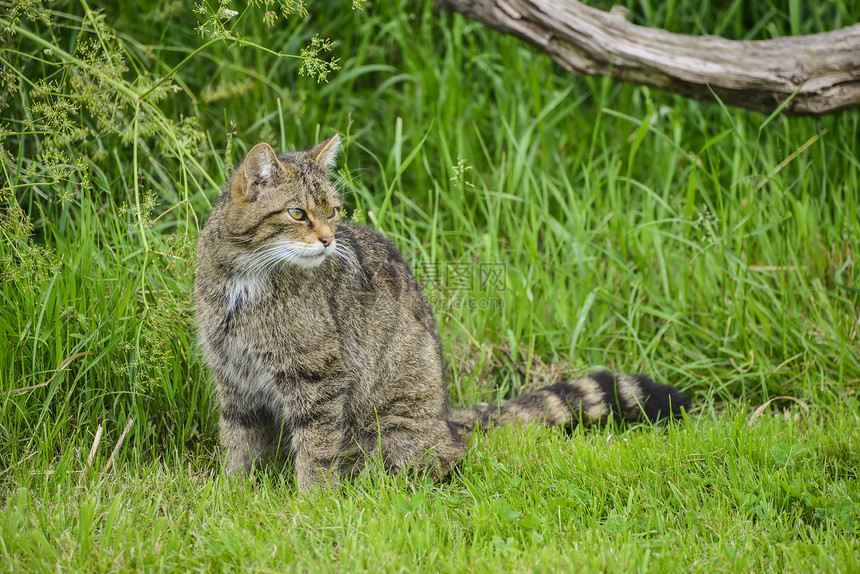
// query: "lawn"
[[560, 224]]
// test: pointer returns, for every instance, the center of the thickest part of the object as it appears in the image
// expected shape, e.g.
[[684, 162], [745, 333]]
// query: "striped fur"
[[323, 347], [591, 399]]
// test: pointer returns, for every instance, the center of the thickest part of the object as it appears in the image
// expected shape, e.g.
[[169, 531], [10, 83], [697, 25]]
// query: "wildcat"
[[322, 344]]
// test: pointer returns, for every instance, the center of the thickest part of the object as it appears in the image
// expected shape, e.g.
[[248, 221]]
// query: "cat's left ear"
[[325, 154]]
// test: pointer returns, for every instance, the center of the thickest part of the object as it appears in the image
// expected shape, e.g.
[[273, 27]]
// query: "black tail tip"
[[664, 401]]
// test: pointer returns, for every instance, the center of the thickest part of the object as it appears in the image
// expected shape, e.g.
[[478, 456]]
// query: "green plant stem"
[[68, 58]]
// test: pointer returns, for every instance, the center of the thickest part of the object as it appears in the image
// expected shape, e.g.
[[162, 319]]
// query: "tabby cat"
[[322, 344]]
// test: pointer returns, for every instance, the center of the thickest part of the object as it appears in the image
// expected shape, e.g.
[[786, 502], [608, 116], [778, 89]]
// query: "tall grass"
[[708, 246]]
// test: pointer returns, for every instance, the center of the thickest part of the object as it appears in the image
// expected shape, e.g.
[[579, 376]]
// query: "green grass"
[[694, 497], [710, 247]]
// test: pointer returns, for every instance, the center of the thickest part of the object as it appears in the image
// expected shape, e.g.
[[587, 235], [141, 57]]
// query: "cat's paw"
[[322, 479], [238, 464]]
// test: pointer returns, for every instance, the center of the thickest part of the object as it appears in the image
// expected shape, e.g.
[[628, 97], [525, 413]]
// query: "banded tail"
[[590, 399]]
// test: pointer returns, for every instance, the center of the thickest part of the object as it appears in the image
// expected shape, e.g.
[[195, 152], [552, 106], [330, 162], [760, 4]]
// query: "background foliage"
[[711, 247]]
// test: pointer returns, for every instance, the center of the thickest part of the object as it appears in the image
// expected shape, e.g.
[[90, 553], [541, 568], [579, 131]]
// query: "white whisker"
[[343, 250], [263, 259], [345, 178]]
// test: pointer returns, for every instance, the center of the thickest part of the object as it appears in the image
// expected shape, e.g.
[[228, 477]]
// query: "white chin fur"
[[308, 262], [311, 256]]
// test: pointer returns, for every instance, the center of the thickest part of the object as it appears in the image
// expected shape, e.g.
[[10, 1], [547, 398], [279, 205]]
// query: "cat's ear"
[[261, 165], [325, 153]]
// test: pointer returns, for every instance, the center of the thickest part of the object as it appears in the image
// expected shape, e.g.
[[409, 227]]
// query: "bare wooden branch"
[[815, 74]]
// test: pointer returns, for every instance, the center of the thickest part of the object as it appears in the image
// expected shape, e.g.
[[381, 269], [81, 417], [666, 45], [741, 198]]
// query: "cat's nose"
[[326, 240]]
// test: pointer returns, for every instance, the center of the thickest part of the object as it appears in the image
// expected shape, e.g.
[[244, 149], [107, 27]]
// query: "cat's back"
[[373, 276]]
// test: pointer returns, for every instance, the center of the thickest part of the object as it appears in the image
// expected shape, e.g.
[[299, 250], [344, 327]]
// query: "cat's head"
[[285, 209]]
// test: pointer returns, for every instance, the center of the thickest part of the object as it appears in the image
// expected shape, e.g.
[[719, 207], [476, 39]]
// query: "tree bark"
[[810, 75]]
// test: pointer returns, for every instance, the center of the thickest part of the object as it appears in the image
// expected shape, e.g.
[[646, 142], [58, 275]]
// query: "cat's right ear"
[[261, 165], [260, 168]]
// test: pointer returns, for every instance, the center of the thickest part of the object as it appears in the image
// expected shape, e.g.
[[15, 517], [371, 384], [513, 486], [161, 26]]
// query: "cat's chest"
[[277, 325]]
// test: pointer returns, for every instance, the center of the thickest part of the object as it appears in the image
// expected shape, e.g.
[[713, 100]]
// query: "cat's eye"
[[334, 212], [297, 214]]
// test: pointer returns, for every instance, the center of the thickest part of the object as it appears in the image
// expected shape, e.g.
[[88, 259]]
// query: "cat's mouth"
[[312, 256]]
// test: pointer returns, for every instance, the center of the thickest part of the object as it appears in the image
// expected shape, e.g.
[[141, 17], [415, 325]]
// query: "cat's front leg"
[[247, 421], [243, 439], [318, 433]]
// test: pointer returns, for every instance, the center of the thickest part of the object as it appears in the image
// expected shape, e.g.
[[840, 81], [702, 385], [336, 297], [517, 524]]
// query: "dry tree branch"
[[812, 75]]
